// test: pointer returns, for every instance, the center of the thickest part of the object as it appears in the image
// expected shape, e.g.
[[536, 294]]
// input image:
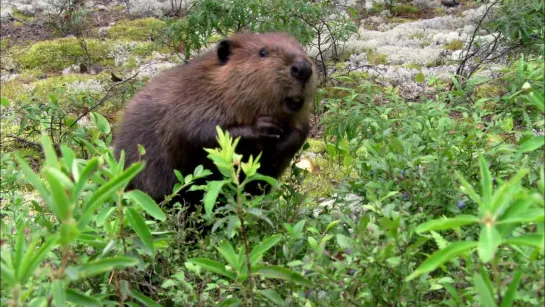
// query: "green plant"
[[504, 218], [302, 19]]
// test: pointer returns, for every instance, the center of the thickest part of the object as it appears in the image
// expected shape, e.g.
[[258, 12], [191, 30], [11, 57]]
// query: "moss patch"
[[375, 58], [4, 44], [405, 9], [55, 55], [413, 66], [19, 91], [454, 45], [137, 30], [489, 90], [21, 16]]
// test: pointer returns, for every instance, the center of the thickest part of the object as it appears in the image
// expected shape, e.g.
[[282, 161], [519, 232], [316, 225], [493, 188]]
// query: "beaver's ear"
[[224, 50]]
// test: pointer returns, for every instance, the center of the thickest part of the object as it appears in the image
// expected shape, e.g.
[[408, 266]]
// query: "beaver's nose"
[[301, 69]]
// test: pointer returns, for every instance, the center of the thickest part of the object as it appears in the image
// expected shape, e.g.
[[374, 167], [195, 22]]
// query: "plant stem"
[[246, 249]]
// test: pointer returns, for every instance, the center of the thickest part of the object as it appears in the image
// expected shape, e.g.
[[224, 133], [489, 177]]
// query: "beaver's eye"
[[263, 53]]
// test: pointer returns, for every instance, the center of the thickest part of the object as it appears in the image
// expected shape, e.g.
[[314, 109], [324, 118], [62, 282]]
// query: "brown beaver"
[[259, 87]]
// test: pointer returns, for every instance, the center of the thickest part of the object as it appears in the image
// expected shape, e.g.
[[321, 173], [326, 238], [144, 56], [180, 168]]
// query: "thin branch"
[[101, 101], [18, 20], [25, 141]]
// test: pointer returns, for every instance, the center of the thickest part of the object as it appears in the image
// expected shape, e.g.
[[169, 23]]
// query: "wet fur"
[[175, 116]]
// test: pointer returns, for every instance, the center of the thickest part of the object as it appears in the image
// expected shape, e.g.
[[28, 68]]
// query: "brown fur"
[[176, 113]]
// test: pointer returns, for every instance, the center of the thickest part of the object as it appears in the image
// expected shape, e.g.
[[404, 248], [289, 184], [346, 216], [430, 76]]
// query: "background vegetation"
[[437, 200]]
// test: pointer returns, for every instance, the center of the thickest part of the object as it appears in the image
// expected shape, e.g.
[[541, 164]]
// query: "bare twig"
[[101, 101], [25, 141], [468, 56]]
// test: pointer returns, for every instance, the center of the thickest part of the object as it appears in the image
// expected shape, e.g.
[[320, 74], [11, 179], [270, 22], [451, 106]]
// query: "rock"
[[469, 29], [103, 32], [385, 14], [101, 7], [154, 67], [73, 69], [426, 4], [458, 55], [350, 204], [369, 3]]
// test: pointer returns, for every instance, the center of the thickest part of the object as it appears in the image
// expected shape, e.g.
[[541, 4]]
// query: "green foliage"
[[438, 202], [302, 19], [520, 21]]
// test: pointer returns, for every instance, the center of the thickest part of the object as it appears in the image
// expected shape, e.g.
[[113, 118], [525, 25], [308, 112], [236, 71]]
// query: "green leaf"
[[272, 296], [530, 216], [258, 177], [51, 159], [230, 302], [81, 299], [506, 191], [228, 252], [452, 291], [141, 150], [60, 204], [147, 203], [489, 240], [88, 170], [453, 250], [146, 301], [59, 293], [19, 249], [467, 188], [353, 12], [214, 188], [139, 225], [396, 145], [331, 225], [212, 266], [32, 178], [509, 297], [261, 248], [107, 190], [537, 99], [447, 223], [486, 298], [7, 274], [439, 240], [532, 143], [106, 265], [5, 101], [486, 182], [535, 240], [273, 271], [101, 122], [34, 258]]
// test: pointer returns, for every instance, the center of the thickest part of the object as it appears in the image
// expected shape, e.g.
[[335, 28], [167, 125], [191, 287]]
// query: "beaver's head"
[[266, 73]]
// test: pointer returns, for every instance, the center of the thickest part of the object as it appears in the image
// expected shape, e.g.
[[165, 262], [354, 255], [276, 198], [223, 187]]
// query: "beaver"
[[257, 86]]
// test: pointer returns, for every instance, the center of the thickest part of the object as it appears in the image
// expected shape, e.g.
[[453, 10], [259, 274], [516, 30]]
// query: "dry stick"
[[101, 101], [28, 142], [461, 67]]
